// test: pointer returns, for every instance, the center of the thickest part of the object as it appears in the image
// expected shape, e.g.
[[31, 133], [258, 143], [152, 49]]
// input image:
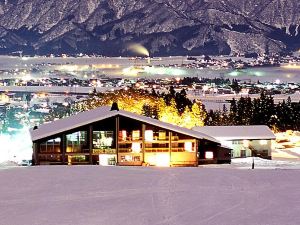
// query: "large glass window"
[[51, 146], [149, 135], [77, 142], [103, 139]]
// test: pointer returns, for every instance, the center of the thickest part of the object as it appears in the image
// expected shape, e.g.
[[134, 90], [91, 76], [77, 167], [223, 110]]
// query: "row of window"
[[77, 141], [246, 143]]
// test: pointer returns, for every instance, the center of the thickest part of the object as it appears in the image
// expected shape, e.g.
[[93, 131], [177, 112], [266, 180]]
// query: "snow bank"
[[15, 146], [265, 163], [92, 195], [7, 164]]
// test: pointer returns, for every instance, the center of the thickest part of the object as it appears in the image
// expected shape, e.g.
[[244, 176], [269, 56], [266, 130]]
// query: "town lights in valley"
[[291, 66]]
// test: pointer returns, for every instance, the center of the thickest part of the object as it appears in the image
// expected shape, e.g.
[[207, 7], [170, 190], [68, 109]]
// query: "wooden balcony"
[[156, 149], [104, 151]]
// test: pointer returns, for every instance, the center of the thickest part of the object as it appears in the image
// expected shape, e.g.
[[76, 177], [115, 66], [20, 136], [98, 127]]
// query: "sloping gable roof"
[[255, 132], [69, 123], [101, 113]]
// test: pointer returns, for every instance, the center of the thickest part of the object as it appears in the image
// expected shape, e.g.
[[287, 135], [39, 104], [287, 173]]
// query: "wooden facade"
[[125, 141]]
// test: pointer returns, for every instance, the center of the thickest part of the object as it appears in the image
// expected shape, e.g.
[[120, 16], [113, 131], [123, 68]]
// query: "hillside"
[[165, 27]]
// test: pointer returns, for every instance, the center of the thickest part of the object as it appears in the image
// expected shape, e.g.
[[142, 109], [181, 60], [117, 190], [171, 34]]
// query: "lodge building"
[[117, 137]]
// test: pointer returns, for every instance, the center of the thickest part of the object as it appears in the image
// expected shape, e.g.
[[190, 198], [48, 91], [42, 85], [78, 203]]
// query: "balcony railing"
[[104, 151]]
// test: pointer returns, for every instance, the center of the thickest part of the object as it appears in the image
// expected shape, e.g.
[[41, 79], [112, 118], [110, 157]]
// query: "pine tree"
[[199, 114], [187, 118], [168, 113], [146, 111], [233, 112]]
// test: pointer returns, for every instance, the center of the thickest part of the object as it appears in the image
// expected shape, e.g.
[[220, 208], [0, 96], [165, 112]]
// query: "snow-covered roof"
[[101, 113], [256, 132]]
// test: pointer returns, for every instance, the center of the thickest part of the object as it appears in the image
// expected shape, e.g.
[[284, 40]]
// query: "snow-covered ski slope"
[[96, 195]]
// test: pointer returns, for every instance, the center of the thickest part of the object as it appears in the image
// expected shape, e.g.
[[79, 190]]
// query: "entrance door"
[[107, 160], [243, 153]]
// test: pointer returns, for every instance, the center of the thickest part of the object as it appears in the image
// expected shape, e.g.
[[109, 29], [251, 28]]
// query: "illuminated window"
[[263, 142], [50, 146], [102, 139], [135, 135], [209, 155], [136, 147], [123, 135], [149, 135], [188, 146], [237, 142], [162, 135], [246, 143], [76, 141]]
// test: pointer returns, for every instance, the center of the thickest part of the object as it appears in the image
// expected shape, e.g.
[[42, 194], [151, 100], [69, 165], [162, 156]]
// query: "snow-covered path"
[[157, 196]]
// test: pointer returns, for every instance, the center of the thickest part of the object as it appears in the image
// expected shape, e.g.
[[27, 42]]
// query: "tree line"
[[259, 111]]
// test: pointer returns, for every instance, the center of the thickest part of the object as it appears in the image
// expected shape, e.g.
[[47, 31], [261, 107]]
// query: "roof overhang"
[[102, 113]]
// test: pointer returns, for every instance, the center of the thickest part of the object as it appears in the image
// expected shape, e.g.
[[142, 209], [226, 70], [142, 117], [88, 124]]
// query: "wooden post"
[[143, 142], [63, 147], [35, 156], [196, 152], [170, 146], [117, 138], [90, 138]]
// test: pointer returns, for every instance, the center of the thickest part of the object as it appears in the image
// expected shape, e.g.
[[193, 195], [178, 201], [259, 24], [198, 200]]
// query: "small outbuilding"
[[245, 141]]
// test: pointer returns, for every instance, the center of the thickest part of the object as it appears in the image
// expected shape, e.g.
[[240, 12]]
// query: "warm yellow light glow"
[[4, 98], [124, 135], [134, 100], [136, 147], [69, 159], [188, 146], [149, 135], [135, 135], [162, 135], [291, 66], [160, 159], [263, 142], [209, 155]]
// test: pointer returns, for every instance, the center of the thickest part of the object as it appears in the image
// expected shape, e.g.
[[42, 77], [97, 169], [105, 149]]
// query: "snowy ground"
[[136, 195]]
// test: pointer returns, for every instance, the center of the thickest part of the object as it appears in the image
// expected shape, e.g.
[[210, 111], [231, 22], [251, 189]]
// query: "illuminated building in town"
[[117, 137]]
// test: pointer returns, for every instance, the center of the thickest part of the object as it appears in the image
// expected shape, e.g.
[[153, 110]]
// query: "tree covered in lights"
[[172, 107]]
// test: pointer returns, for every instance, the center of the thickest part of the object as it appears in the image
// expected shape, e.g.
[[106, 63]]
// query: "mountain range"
[[164, 27]]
